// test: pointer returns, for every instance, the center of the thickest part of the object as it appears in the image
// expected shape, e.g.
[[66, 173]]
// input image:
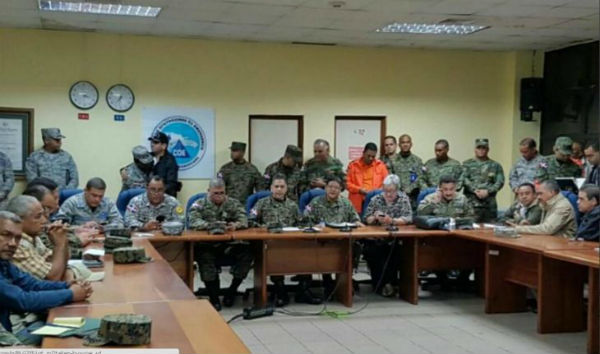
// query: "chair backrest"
[[189, 204], [125, 196], [254, 198], [368, 198], [425, 193], [307, 196], [67, 193], [572, 198]]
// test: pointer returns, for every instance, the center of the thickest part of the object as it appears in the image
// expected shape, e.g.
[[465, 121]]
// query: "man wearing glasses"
[[147, 211]]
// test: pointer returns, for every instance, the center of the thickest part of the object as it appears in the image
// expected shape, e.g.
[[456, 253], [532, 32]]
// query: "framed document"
[[16, 136]]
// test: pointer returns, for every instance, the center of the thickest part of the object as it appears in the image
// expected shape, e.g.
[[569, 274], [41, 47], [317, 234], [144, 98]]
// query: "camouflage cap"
[[217, 228], [237, 146], [130, 255], [564, 145], [142, 154], [172, 228], [112, 242], [52, 133], [482, 142], [294, 152], [118, 231], [122, 329]]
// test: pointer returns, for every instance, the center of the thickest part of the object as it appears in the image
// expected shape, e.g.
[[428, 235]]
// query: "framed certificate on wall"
[[16, 136]]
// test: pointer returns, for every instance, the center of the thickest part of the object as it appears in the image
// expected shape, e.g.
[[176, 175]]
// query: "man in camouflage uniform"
[[321, 167], [287, 166], [90, 208], [389, 151], [137, 173], [409, 168], [525, 168], [52, 162], [559, 164], [331, 207], [146, 212], [241, 177], [446, 202], [7, 179], [482, 179], [526, 209], [442, 165], [218, 207]]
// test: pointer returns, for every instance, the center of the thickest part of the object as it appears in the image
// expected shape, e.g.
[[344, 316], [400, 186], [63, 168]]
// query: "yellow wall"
[[430, 94]]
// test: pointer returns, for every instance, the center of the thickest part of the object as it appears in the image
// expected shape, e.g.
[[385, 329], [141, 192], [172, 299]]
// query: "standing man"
[[7, 179], [483, 178], [559, 164], [52, 162], [364, 175], [137, 173], [321, 167], [525, 168], [390, 147], [592, 154], [288, 166], [409, 167], [146, 212], [589, 206], [442, 165], [165, 164], [90, 208], [241, 177]]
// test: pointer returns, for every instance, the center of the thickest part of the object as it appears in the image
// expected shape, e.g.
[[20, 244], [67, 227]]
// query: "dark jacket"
[[167, 168], [21, 292], [589, 227]]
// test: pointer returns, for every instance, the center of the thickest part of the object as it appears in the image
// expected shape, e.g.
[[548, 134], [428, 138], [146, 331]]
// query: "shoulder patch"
[[179, 210]]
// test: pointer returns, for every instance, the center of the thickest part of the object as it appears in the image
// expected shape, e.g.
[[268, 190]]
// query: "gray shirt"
[[524, 171], [59, 167], [77, 212]]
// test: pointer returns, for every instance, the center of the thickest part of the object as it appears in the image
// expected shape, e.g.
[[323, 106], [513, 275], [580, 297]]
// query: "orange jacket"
[[354, 179]]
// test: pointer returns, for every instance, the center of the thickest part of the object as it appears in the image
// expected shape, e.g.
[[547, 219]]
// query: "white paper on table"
[[476, 226], [143, 234], [94, 252], [488, 226], [75, 262], [290, 229]]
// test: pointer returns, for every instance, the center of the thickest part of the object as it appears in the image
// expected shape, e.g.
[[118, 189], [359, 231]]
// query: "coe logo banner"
[[191, 137]]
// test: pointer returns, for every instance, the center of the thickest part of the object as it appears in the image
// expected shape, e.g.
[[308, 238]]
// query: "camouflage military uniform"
[[241, 180], [483, 174], [7, 339], [136, 178], [321, 210], [387, 160], [459, 207], [76, 212], [314, 168], [292, 177], [202, 214], [59, 167], [550, 168], [517, 213], [410, 171], [270, 211], [524, 171], [7, 179], [399, 209], [434, 169], [140, 210]]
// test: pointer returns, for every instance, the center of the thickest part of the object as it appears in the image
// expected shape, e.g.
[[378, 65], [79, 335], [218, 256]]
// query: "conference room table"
[[179, 320]]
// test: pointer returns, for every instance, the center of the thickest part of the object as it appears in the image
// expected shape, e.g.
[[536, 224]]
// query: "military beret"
[[122, 329]]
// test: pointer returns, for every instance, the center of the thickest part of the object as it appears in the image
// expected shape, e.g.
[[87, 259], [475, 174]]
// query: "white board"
[[351, 136], [269, 138]]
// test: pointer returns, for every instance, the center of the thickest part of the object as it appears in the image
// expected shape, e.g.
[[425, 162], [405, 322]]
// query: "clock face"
[[83, 95], [120, 98]]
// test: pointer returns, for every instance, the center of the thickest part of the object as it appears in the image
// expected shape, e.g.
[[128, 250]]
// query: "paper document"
[[74, 322], [50, 331]]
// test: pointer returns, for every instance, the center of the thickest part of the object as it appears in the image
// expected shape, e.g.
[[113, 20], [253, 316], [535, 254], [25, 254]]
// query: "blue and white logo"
[[187, 140]]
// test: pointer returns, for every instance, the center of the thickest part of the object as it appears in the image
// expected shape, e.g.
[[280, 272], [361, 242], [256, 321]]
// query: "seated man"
[[204, 214], [279, 210], [558, 217], [589, 205], [525, 210], [392, 207], [32, 256], [90, 208], [19, 291], [331, 207], [445, 201], [146, 212]]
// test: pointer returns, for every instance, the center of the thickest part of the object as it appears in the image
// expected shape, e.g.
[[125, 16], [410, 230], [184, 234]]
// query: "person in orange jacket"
[[364, 175]]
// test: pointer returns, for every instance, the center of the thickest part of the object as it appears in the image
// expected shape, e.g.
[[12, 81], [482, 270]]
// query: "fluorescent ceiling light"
[[425, 28], [99, 8]]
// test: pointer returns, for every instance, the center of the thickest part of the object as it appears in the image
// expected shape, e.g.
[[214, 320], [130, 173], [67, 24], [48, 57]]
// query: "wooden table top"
[[192, 326], [188, 235], [587, 257]]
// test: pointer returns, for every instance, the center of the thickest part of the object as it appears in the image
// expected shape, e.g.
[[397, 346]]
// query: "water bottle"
[[452, 224]]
